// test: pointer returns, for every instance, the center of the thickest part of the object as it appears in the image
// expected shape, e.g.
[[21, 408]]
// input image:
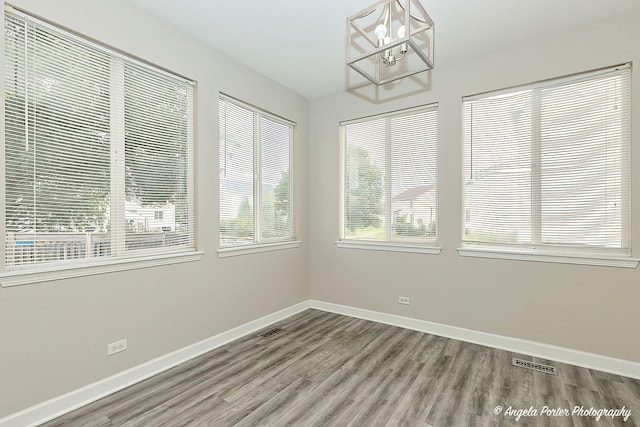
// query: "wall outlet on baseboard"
[[116, 347], [404, 300]]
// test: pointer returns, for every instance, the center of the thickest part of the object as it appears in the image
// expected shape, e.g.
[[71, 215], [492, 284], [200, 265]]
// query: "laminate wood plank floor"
[[325, 369]]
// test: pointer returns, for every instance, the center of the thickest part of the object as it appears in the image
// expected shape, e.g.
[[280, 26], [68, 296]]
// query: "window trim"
[[426, 246], [257, 248], [560, 257], [261, 244], [388, 246], [613, 257], [81, 269]]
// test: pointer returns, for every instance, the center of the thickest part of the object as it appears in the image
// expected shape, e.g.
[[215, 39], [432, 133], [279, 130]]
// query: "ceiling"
[[300, 43]]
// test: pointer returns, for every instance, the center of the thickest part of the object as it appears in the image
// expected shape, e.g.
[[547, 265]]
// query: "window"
[[390, 174], [94, 141], [255, 176], [546, 166], [158, 215]]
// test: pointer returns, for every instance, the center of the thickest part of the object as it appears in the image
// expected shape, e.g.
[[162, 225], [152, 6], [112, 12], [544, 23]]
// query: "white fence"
[[36, 248]]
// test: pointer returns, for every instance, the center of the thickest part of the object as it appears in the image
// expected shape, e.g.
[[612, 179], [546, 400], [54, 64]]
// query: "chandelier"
[[390, 40]]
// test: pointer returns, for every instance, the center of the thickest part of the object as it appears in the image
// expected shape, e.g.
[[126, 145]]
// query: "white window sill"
[[388, 246], [46, 273], [548, 256], [257, 248]]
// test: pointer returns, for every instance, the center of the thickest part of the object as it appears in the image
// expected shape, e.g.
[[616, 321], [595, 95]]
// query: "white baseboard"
[[545, 351], [60, 405]]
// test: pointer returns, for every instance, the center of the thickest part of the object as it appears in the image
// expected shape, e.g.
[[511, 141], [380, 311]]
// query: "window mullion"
[[117, 203], [536, 167]]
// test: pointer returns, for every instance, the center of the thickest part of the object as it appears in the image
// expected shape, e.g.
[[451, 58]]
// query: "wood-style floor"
[[331, 370]]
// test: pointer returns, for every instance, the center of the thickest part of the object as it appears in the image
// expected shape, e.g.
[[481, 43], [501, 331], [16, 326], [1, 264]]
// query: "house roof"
[[412, 193]]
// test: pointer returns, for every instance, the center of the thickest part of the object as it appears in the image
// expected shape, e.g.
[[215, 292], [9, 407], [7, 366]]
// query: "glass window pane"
[[57, 152], [276, 184], [364, 195], [498, 169], [156, 168], [236, 175], [414, 175]]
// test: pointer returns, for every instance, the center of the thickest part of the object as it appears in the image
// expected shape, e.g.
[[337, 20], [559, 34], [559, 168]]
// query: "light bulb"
[[380, 31], [401, 32]]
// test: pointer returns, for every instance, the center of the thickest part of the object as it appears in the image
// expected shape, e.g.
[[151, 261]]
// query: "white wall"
[[54, 334], [593, 309]]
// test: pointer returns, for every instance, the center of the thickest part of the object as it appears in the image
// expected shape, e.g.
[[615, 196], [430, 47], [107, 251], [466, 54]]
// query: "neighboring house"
[[150, 218], [415, 206]]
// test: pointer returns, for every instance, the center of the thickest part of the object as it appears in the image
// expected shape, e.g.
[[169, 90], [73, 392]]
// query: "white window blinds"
[[547, 165], [255, 175], [390, 176], [95, 145]]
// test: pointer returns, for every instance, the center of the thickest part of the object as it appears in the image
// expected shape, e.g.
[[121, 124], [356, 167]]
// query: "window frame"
[[429, 246], [260, 244], [540, 252], [124, 260]]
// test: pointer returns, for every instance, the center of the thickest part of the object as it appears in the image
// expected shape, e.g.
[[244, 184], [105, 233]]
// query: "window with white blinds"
[[255, 175], [98, 152], [390, 176], [546, 166]]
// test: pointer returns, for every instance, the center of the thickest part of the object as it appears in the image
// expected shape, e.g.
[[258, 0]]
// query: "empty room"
[[332, 213]]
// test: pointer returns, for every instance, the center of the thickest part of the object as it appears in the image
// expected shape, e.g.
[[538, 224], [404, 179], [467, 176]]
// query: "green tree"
[[363, 192], [244, 219], [242, 225], [155, 139], [283, 205], [53, 135], [268, 212], [59, 128], [283, 199]]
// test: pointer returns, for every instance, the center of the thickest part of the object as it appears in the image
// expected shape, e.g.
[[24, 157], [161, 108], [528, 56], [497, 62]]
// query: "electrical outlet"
[[404, 300], [116, 347]]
